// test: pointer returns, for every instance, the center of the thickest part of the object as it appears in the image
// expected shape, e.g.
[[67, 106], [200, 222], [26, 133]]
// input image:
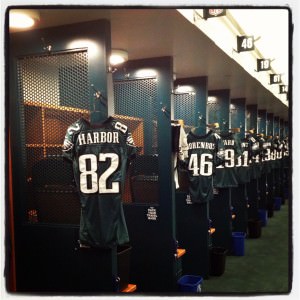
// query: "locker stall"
[[142, 93], [278, 172], [263, 183], [239, 199], [270, 176], [192, 219], [50, 87], [218, 106], [252, 186]]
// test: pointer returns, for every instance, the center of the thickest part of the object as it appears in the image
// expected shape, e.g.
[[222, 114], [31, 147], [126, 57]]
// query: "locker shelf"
[[180, 252], [130, 288], [212, 230]]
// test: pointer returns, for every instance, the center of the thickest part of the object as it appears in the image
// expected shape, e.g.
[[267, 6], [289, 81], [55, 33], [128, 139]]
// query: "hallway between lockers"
[[265, 266]]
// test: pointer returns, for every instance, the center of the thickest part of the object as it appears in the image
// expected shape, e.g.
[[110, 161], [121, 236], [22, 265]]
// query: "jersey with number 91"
[[226, 176], [204, 154], [100, 155]]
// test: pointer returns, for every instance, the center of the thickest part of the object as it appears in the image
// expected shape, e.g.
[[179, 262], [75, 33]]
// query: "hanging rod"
[[58, 52]]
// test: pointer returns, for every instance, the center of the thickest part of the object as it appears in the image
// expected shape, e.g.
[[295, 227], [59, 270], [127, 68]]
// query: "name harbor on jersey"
[[98, 137]]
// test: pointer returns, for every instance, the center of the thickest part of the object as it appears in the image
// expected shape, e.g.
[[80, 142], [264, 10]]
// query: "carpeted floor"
[[265, 266]]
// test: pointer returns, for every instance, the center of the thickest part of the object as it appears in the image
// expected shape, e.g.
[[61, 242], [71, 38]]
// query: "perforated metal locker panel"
[[233, 117], [54, 92], [270, 124], [251, 117], [238, 115], [135, 103], [184, 109], [213, 110], [218, 108]]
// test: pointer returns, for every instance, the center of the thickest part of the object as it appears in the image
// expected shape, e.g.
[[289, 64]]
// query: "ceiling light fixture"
[[118, 57], [185, 89], [23, 18]]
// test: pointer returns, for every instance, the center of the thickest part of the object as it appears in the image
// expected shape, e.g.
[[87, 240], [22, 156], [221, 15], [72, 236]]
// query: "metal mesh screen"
[[54, 92], [136, 104], [213, 110], [259, 125], [269, 125], [233, 117], [251, 118], [184, 109]]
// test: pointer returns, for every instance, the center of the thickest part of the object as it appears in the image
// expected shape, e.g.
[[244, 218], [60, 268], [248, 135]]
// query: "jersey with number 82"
[[98, 184], [99, 155]]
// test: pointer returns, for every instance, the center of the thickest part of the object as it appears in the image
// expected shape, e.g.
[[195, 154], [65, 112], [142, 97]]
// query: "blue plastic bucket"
[[277, 203], [263, 216], [238, 241], [190, 283]]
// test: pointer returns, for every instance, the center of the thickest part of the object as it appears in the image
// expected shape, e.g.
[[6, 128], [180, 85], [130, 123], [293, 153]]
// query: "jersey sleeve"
[[69, 141], [238, 151], [254, 146], [183, 145], [131, 148], [220, 150]]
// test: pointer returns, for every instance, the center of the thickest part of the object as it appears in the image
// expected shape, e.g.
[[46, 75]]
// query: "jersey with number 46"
[[100, 155], [204, 154]]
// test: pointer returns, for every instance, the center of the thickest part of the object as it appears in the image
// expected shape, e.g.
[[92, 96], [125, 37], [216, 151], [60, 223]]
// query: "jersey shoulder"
[[117, 125], [72, 130], [216, 136]]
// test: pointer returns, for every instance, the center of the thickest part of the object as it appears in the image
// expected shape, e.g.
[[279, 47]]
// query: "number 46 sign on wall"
[[245, 43]]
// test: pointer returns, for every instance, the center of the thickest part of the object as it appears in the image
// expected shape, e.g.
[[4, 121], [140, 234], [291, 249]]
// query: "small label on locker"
[[188, 199], [152, 214], [216, 191]]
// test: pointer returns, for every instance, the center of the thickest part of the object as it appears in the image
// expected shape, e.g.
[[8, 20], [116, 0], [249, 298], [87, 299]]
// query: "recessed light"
[[118, 57], [22, 18]]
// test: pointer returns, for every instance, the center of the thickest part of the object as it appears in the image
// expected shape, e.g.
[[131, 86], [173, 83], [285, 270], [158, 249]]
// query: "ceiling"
[[146, 33]]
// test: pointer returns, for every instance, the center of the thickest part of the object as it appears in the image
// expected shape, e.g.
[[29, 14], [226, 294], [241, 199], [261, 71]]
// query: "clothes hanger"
[[99, 113], [235, 130]]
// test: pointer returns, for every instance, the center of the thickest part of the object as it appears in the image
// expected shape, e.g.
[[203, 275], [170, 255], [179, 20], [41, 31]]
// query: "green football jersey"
[[266, 159], [278, 146], [273, 154], [262, 155], [100, 155], [285, 157], [205, 152], [243, 163], [255, 159], [226, 175]]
